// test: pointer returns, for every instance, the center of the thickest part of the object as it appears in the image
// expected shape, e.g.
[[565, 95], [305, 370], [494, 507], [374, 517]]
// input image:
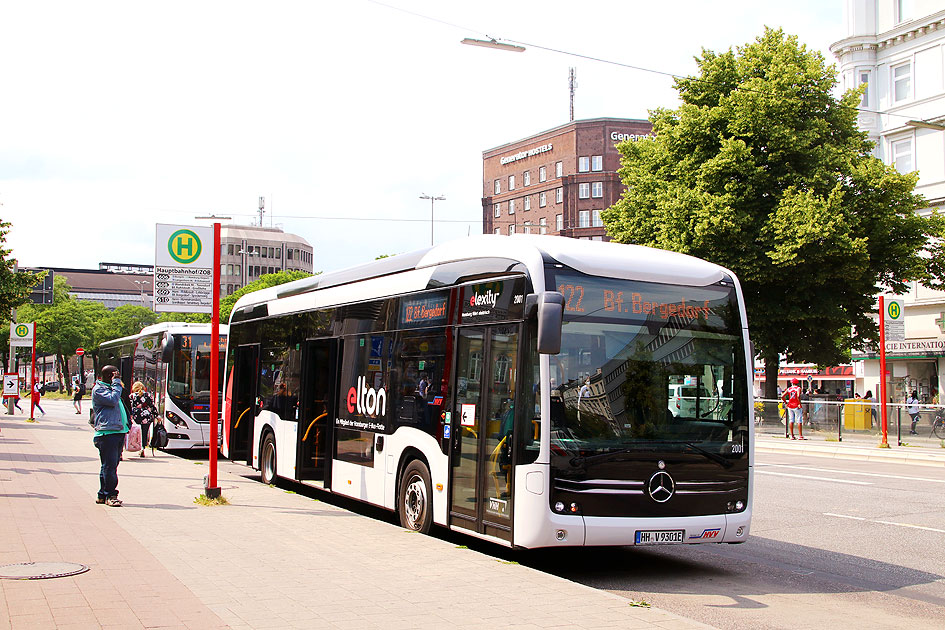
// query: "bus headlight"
[[559, 507], [739, 506], [174, 419]]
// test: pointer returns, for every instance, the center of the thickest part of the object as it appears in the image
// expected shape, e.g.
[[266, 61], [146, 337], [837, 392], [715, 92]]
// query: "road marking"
[[928, 529], [873, 520], [850, 472], [849, 481]]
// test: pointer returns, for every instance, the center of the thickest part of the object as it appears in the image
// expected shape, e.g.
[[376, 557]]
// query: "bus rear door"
[[316, 410], [243, 411]]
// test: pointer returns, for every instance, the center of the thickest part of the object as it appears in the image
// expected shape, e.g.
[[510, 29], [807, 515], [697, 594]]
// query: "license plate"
[[659, 537]]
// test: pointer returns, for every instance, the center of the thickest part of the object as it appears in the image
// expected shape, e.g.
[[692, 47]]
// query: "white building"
[[897, 47]]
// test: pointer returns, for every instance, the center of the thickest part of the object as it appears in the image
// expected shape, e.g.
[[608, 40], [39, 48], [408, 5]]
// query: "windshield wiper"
[[724, 461]]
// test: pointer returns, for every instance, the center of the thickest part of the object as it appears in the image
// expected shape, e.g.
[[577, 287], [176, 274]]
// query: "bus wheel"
[[267, 459], [414, 499]]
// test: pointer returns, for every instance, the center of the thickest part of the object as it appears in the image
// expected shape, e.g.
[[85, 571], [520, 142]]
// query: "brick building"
[[556, 181]]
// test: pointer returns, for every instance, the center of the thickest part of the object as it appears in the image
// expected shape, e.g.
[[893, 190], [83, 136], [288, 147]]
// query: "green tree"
[[763, 171], [64, 325], [123, 321], [264, 281], [15, 287]]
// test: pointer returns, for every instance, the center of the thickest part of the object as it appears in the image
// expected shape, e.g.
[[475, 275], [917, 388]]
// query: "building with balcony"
[[896, 48]]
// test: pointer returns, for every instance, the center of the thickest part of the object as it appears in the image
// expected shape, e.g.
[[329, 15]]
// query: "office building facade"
[[557, 181]]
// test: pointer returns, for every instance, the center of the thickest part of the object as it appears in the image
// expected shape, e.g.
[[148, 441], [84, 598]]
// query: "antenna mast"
[[572, 84], [262, 205]]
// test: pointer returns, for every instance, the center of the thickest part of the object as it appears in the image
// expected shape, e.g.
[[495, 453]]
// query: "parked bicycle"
[[938, 424]]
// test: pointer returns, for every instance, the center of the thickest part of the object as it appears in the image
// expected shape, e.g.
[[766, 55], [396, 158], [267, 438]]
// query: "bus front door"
[[316, 409], [243, 411], [480, 458]]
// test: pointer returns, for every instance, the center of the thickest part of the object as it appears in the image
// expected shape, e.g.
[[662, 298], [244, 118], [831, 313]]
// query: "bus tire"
[[414, 499], [267, 459]]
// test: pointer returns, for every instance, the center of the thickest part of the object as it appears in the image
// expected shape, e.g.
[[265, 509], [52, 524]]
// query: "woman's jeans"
[[109, 449]]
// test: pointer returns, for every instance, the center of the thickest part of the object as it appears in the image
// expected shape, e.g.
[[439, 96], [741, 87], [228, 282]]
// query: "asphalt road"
[[834, 544]]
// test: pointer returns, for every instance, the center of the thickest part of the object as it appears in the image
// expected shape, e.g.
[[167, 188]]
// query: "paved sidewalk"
[[271, 559], [865, 447]]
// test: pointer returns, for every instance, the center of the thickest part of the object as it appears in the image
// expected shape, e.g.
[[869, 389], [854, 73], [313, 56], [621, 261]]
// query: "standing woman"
[[143, 411]]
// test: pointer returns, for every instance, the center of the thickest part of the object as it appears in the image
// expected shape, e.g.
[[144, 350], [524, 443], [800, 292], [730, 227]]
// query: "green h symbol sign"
[[184, 246]]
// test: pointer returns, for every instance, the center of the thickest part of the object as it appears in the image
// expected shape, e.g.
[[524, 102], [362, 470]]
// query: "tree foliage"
[[15, 287], [264, 281], [763, 171]]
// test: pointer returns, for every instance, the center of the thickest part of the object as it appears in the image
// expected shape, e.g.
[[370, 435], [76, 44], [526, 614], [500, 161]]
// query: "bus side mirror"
[[550, 317], [167, 348]]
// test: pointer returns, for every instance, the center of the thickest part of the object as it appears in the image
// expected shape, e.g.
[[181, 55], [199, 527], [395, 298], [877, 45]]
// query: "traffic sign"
[[11, 385], [79, 352], [183, 269], [895, 320], [21, 334]]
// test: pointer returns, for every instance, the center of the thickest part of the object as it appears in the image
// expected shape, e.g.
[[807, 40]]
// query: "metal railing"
[[852, 419]]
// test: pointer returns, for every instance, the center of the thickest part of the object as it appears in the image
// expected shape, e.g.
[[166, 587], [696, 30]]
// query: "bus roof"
[[632, 262], [171, 327]]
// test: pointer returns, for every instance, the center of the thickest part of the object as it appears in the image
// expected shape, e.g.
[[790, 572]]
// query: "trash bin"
[[856, 415]]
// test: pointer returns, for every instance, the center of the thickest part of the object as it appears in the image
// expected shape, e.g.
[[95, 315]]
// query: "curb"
[[898, 454]]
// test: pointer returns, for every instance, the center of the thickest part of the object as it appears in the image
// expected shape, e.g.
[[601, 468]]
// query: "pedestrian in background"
[[111, 425], [143, 411], [912, 407], [792, 400], [78, 391], [35, 395]]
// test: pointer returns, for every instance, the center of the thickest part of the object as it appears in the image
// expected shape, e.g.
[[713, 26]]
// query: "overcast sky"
[[115, 116]]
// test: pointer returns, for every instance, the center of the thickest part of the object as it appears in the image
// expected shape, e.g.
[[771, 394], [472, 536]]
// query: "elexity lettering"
[[489, 298], [367, 401]]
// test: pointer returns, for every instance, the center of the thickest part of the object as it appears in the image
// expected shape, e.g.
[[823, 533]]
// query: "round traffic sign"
[[79, 352]]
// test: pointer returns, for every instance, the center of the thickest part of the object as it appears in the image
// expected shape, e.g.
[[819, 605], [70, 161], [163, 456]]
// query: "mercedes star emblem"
[[661, 487]]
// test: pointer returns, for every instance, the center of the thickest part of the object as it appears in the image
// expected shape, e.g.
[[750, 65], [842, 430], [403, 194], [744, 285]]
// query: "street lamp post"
[[432, 199], [141, 289]]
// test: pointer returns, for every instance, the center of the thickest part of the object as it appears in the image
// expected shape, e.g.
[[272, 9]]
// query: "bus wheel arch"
[[267, 457], [415, 493]]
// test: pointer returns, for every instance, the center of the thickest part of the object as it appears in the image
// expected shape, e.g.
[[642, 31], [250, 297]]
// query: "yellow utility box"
[[856, 415]]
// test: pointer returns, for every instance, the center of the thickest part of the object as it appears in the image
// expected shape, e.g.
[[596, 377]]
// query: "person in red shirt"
[[792, 400]]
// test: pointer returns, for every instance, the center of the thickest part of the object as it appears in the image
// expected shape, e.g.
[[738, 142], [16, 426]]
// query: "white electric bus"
[[513, 388], [173, 362]]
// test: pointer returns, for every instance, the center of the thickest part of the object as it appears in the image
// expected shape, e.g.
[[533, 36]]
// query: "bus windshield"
[[189, 371], [648, 365]]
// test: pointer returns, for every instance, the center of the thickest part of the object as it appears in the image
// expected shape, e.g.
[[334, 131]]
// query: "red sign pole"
[[882, 367], [33, 372], [212, 490]]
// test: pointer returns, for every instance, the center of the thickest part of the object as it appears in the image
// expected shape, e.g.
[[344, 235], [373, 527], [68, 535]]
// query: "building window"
[[543, 225], [236, 270], [497, 210], [584, 164], [559, 222], [559, 195], [902, 82], [902, 155], [278, 252], [542, 200], [288, 254], [511, 182], [559, 169], [497, 231], [597, 190], [498, 187], [584, 191], [528, 203], [528, 228], [542, 173], [865, 80], [230, 249], [512, 229], [584, 218], [904, 10], [597, 163], [595, 218], [526, 178], [511, 206]]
